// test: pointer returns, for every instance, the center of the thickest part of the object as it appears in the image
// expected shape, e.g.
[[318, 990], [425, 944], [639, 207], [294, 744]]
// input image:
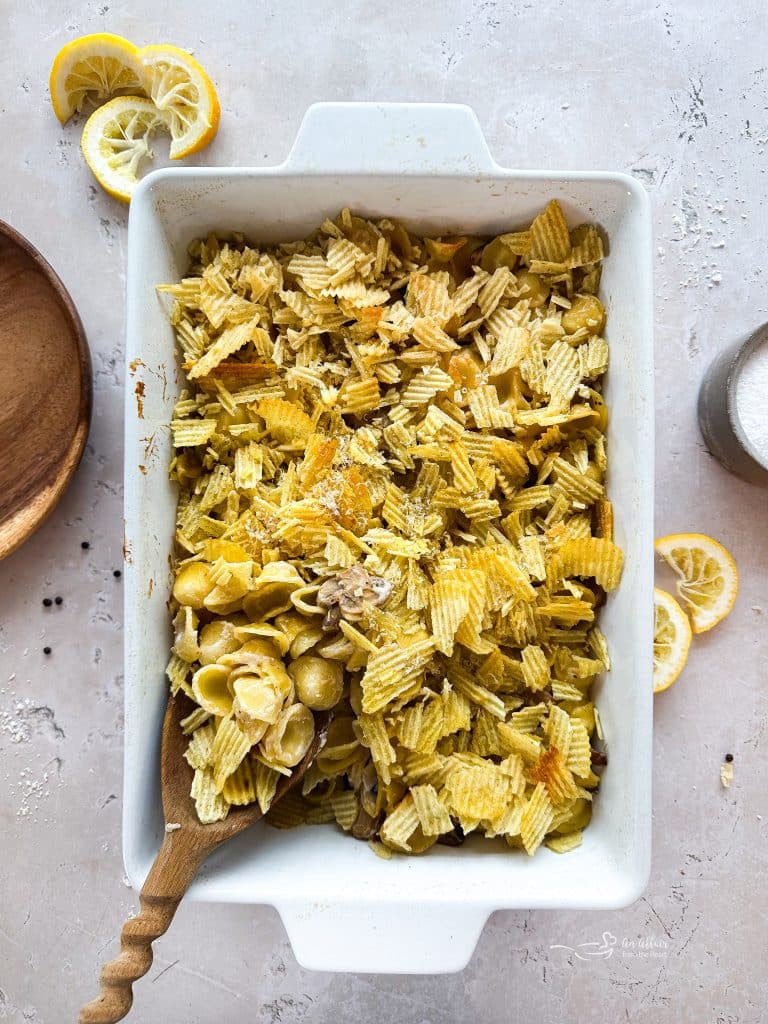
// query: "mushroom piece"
[[346, 595]]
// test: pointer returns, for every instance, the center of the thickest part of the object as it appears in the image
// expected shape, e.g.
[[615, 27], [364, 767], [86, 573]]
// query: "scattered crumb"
[[172, 826], [726, 774]]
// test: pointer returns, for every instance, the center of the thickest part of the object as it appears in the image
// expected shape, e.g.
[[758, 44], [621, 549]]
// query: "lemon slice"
[[184, 92], [671, 640], [708, 580], [115, 142], [91, 69]]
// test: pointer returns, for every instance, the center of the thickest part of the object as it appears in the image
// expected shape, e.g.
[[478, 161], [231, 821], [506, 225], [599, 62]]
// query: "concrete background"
[[675, 93]]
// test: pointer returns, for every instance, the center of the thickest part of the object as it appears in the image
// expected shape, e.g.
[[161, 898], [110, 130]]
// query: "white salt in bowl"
[[733, 407]]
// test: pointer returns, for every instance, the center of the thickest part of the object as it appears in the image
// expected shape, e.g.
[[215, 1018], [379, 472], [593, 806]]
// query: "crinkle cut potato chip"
[[391, 459]]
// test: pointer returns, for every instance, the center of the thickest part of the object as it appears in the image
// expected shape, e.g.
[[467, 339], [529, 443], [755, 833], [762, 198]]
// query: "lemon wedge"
[[92, 69], [707, 577], [115, 142], [183, 91], [671, 640]]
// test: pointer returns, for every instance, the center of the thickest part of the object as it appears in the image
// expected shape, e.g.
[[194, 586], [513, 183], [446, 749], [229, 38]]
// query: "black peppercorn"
[[47, 602], [729, 758], [117, 574], [85, 545], [46, 650], [59, 600]]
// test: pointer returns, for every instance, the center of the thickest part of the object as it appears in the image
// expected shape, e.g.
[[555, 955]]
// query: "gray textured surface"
[[675, 93]]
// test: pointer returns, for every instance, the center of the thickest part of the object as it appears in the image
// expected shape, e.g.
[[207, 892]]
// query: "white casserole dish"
[[345, 909]]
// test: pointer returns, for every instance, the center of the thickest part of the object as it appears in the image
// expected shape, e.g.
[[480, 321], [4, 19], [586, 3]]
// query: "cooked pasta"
[[391, 464]]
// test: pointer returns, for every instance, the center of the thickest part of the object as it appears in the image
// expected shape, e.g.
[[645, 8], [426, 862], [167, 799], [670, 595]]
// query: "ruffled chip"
[[457, 711], [420, 726], [423, 387], [422, 768], [428, 296], [529, 718], [430, 335], [565, 691], [240, 787], [265, 784], [177, 672], [576, 485], [449, 604], [189, 433], [464, 684], [346, 808], [593, 358], [484, 739], [199, 752], [285, 421], [552, 770], [229, 341], [536, 819], [394, 672], [490, 294], [249, 464], [591, 556], [535, 667], [558, 730], [563, 373], [360, 396], [218, 486], [550, 240], [484, 405], [373, 732], [210, 805], [579, 756], [477, 791], [587, 246], [515, 741], [194, 720], [434, 819], [511, 346], [400, 825], [230, 746]]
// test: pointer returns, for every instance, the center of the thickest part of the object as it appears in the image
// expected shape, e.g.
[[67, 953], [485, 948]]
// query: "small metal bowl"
[[45, 389], [719, 416]]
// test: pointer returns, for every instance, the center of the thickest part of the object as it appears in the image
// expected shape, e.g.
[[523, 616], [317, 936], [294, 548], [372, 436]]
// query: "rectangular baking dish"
[[345, 909]]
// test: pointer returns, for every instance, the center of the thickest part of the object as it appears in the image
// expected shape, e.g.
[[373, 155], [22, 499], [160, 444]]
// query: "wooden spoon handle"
[[169, 878]]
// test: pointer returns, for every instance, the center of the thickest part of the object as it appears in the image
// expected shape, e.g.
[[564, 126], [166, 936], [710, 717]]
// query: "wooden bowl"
[[45, 389]]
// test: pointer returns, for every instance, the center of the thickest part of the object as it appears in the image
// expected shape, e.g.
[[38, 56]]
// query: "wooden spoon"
[[177, 861], [45, 389]]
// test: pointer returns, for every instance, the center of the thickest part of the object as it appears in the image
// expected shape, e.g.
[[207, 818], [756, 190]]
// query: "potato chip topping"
[[391, 463]]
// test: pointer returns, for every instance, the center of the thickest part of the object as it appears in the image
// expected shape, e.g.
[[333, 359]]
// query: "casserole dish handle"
[[383, 937], [390, 138]]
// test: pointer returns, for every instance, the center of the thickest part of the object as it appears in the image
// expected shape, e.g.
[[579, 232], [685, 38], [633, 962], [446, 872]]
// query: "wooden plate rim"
[[21, 525]]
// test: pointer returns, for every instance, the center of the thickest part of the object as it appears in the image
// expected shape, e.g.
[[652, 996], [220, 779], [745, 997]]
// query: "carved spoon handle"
[[175, 866]]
